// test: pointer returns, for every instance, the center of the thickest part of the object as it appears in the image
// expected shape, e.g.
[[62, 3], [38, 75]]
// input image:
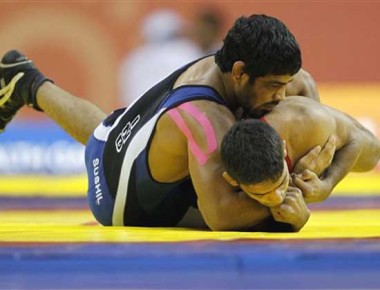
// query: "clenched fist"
[[293, 210]]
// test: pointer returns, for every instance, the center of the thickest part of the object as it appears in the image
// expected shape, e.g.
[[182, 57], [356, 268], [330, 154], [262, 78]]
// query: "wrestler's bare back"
[[304, 124]]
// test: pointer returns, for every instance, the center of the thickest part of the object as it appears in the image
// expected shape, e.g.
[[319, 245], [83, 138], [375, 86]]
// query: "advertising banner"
[[39, 147]]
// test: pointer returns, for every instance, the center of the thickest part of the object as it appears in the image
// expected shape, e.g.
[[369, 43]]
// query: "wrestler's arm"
[[223, 206], [343, 162], [359, 150], [304, 85], [369, 154]]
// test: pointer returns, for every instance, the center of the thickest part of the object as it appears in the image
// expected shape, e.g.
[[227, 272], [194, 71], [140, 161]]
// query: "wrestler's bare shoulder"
[[203, 72]]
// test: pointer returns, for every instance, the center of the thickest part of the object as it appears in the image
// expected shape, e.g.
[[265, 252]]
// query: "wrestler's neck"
[[206, 72]]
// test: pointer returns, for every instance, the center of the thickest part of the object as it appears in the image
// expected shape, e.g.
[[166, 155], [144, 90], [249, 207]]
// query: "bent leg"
[[78, 117], [21, 83]]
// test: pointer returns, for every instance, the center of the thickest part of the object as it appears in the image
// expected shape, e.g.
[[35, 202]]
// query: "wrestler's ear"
[[229, 179], [238, 71]]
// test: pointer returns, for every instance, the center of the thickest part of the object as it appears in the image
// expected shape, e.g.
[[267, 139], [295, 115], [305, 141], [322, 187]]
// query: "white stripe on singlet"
[[136, 146], [102, 132]]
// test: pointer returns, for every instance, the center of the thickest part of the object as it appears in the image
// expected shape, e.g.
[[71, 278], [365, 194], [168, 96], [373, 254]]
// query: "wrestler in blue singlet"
[[121, 188]]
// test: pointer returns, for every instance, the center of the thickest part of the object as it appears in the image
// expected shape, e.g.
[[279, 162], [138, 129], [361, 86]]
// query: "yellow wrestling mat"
[[70, 186], [79, 226]]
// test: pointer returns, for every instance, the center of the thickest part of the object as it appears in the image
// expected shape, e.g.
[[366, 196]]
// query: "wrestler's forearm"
[[245, 214], [369, 155], [236, 212], [344, 161]]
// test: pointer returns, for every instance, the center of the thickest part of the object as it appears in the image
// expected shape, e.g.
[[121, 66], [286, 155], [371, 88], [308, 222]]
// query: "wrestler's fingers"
[[310, 160], [326, 155], [314, 152], [304, 186], [307, 175]]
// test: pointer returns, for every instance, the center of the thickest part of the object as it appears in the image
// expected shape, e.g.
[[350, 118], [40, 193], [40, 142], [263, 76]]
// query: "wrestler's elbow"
[[373, 162], [377, 153], [369, 156]]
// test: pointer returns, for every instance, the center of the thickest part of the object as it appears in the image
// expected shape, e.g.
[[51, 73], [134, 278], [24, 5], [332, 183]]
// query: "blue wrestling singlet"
[[121, 190]]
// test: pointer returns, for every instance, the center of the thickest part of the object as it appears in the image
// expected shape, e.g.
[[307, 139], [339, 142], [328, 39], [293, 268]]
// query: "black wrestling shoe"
[[19, 82]]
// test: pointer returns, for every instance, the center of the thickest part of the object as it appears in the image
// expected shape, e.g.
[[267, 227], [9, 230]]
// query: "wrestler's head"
[[262, 55], [254, 159]]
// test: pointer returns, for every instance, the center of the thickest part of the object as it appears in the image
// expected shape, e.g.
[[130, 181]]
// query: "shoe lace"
[[6, 91]]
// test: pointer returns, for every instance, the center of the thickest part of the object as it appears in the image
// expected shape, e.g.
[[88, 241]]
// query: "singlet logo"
[[125, 133]]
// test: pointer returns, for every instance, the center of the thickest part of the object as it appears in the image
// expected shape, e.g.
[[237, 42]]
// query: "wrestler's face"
[[263, 95], [269, 193]]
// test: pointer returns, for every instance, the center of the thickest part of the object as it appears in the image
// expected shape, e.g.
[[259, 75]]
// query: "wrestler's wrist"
[[327, 187]]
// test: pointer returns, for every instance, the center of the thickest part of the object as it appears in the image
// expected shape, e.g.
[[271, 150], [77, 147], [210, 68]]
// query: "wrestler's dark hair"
[[252, 152], [264, 44]]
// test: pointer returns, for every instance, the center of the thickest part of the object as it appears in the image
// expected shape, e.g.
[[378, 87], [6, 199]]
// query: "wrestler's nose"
[[279, 95]]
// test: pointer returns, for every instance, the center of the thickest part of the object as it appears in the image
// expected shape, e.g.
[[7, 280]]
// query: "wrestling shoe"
[[19, 82]]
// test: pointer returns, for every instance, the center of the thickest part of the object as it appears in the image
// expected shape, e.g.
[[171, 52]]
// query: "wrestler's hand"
[[318, 158], [313, 189], [293, 210]]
